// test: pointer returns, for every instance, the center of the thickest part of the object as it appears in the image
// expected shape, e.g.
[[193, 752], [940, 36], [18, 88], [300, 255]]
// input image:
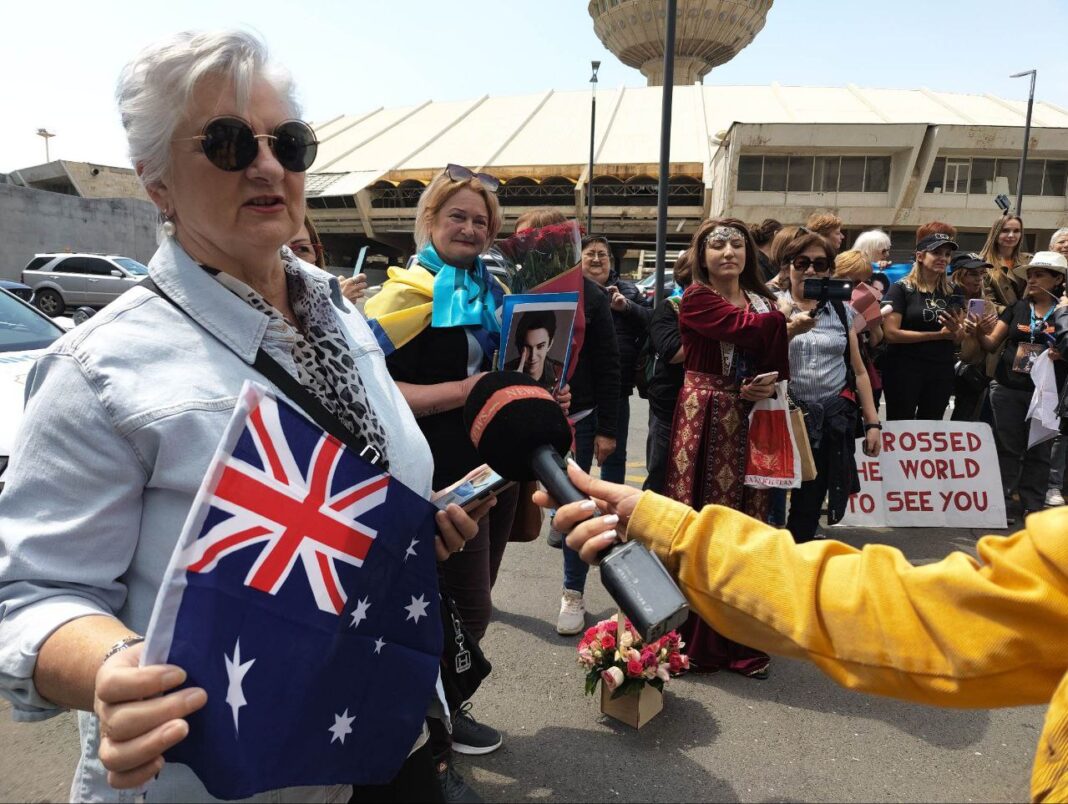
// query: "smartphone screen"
[[472, 489]]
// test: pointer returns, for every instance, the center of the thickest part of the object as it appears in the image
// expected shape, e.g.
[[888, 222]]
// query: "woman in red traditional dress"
[[732, 332]]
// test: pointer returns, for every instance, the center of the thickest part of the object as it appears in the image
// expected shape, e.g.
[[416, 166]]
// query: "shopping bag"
[[772, 461], [804, 446]]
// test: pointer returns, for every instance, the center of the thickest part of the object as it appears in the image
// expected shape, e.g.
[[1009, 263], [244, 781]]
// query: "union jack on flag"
[[302, 595]]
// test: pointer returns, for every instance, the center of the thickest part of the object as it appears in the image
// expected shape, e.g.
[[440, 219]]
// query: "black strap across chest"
[[288, 385]]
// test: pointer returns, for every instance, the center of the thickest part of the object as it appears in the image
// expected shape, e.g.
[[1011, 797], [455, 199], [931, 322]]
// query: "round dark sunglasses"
[[819, 265], [230, 144]]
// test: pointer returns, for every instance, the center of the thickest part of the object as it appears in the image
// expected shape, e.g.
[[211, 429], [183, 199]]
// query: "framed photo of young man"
[[536, 336]]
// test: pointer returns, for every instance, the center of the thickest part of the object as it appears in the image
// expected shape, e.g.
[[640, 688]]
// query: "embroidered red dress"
[[710, 434]]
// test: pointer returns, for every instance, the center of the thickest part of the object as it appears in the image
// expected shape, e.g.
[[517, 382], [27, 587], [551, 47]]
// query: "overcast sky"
[[60, 58]]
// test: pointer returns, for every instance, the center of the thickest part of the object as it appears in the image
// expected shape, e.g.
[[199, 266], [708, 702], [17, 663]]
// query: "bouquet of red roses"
[[619, 659], [534, 256]]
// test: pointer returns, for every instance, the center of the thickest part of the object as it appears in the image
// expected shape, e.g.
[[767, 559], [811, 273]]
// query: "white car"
[[24, 335]]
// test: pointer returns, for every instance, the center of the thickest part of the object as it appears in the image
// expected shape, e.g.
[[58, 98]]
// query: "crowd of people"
[[123, 416]]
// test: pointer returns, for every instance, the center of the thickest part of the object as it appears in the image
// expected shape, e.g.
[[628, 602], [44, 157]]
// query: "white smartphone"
[[472, 489], [767, 377]]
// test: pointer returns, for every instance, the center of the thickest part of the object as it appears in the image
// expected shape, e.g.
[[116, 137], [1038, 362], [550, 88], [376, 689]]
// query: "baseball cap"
[[967, 261], [1050, 260], [936, 240]]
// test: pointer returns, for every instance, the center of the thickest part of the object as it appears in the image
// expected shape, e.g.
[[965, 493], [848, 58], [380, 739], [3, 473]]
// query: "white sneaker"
[[572, 618], [1054, 498]]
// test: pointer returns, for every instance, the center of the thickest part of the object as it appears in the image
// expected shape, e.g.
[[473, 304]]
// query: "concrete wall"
[[33, 221]]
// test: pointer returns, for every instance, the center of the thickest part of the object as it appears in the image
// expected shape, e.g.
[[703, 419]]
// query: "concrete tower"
[[707, 33]]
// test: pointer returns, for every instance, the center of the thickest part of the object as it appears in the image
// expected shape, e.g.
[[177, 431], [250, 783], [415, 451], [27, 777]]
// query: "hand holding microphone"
[[520, 431]]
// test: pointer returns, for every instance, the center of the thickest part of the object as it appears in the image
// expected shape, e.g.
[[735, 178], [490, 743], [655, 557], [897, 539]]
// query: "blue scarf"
[[465, 299]]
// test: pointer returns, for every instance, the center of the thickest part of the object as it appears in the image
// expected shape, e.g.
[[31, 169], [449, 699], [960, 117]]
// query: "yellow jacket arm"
[[960, 632]]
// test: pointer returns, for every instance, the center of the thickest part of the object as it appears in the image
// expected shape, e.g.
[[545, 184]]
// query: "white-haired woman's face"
[[235, 215], [1060, 244]]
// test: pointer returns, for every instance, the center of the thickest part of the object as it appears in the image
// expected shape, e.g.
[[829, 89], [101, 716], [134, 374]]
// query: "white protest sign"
[[930, 474]]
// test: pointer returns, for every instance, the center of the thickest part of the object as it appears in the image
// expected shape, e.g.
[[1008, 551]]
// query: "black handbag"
[[463, 665]]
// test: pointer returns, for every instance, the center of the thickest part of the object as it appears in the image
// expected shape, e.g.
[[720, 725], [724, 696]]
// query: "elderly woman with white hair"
[[125, 412], [875, 245]]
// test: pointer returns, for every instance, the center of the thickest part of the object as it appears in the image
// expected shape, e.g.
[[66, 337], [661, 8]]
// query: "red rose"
[[608, 642], [634, 667]]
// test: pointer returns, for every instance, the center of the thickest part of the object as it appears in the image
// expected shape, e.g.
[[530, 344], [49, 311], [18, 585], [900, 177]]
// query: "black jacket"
[[631, 325], [667, 376], [595, 383]]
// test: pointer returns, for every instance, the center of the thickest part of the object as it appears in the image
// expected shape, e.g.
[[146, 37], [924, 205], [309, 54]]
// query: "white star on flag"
[[235, 673], [379, 644], [360, 613], [342, 727], [416, 609], [411, 549]]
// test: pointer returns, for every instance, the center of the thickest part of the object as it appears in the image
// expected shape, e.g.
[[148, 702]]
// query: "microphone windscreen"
[[508, 415]]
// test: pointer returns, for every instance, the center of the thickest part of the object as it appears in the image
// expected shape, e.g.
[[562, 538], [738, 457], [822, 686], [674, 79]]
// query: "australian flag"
[[302, 595]]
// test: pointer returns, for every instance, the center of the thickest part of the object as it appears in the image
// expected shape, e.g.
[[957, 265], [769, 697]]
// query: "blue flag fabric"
[[302, 595]]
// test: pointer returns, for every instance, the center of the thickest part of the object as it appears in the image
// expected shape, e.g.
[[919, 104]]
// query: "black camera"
[[825, 289]]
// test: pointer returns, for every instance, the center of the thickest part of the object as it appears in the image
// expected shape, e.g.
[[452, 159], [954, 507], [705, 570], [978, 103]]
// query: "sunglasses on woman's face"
[[819, 265], [460, 173], [231, 145]]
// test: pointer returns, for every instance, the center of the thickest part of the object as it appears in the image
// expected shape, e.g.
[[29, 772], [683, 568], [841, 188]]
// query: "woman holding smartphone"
[[734, 342], [922, 329], [828, 377]]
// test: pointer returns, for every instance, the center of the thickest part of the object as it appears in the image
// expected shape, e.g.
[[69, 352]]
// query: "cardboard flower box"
[[634, 709]]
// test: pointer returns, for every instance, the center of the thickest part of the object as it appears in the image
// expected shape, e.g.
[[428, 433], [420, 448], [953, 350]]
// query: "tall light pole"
[[665, 150], [47, 135], [593, 120], [1027, 138]]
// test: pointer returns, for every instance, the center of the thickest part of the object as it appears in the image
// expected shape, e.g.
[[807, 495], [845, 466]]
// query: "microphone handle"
[[551, 470]]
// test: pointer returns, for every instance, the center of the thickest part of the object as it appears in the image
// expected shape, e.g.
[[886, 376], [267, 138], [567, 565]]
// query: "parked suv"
[[71, 280]]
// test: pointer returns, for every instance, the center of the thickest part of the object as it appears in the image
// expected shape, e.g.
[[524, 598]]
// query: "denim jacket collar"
[[230, 319]]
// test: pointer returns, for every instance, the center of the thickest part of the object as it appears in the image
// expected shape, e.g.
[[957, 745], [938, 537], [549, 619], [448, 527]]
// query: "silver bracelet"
[[121, 645]]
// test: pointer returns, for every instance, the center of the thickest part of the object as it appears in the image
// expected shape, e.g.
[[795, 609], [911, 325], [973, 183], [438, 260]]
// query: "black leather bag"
[[463, 665]]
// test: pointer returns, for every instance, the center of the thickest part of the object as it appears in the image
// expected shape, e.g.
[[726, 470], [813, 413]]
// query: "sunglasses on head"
[[460, 173], [230, 144], [819, 265]]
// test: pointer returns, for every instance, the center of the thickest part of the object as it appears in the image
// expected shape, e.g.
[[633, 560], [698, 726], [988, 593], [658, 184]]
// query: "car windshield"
[[133, 266], [22, 327]]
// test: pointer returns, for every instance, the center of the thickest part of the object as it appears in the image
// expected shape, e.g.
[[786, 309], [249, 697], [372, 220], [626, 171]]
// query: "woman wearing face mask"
[[1002, 251], [921, 331], [1026, 330], [123, 419], [828, 377], [732, 333]]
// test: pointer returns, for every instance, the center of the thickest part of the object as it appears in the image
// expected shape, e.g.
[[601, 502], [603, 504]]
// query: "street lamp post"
[[1027, 138], [593, 120], [47, 135], [665, 150]]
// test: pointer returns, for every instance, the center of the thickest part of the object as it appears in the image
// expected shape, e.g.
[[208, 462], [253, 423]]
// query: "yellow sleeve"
[[959, 632]]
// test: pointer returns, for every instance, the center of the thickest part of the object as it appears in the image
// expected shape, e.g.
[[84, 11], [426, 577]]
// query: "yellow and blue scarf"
[[433, 293]]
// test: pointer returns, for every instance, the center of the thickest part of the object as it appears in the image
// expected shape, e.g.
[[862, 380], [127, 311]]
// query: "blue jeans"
[[614, 468]]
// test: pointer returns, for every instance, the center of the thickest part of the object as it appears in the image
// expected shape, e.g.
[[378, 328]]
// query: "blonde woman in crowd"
[[1002, 251], [829, 226]]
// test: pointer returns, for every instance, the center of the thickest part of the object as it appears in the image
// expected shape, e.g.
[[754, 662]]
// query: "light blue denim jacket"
[[123, 415]]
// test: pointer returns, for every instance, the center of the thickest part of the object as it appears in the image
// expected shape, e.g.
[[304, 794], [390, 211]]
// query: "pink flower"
[[634, 667], [608, 642], [612, 678], [675, 662]]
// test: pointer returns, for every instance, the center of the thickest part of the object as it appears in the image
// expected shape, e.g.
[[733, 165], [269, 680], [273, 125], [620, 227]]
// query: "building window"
[[1047, 177], [806, 174]]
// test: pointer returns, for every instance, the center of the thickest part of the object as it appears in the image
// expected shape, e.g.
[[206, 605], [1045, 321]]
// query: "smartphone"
[[977, 307], [767, 377], [472, 489]]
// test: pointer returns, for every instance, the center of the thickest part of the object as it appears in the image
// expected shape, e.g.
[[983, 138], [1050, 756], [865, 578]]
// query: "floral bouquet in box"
[[619, 659], [534, 256]]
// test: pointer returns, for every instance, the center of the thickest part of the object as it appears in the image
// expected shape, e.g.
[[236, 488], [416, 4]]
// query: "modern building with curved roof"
[[876, 157]]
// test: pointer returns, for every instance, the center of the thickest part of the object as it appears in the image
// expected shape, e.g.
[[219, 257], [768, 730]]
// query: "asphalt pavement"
[[721, 737]]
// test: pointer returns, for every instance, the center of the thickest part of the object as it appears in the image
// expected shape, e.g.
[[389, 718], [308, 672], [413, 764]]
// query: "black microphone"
[[521, 432]]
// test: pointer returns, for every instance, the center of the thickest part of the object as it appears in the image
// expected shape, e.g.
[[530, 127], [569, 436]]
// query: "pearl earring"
[[167, 226]]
